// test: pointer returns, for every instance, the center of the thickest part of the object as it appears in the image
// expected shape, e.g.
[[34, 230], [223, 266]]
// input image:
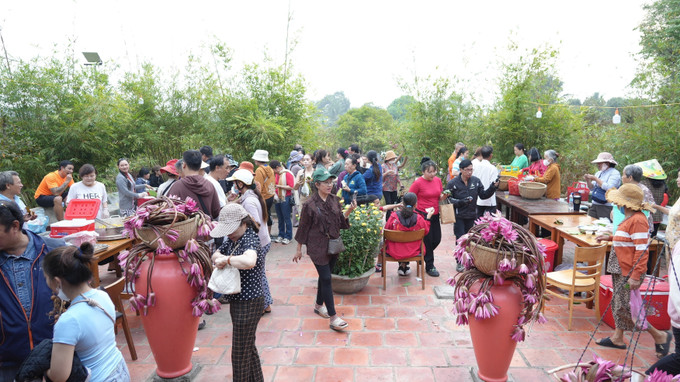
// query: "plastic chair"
[[404, 237], [582, 278], [114, 291]]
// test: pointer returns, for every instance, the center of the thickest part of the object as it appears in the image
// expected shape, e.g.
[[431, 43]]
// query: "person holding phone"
[[353, 183]]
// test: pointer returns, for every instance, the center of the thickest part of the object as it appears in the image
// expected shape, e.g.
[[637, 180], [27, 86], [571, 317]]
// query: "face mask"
[[546, 162], [234, 190], [62, 296]]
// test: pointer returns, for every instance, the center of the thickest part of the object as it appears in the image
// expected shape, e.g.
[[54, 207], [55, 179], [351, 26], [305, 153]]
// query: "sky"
[[363, 48]]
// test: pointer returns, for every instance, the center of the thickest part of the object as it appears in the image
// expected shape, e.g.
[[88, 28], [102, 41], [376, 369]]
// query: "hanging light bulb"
[[616, 119], [538, 113]]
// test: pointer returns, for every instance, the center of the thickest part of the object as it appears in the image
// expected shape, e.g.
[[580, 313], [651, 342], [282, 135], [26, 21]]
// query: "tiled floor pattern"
[[399, 334]]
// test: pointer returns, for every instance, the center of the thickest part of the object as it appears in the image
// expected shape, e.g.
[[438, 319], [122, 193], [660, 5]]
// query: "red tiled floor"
[[335, 374], [388, 357], [366, 339], [313, 356], [350, 356]]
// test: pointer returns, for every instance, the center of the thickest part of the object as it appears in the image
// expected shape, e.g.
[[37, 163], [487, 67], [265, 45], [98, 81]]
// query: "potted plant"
[[362, 240], [602, 370], [168, 270], [500, 290]]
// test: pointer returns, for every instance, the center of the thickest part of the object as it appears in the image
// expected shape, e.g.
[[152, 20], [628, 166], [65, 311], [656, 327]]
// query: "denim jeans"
[[283, 211]]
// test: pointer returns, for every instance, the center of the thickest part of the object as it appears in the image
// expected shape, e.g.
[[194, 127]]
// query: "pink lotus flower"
[[163, 249], [523, 269], [518, 334], [661, 376], [530, 298], [498, 278], [191, 246], [504, 265], [172, 235], [151, 300], [191, 205], [203, 305], [123, 255], [491, 308], [215, 306], [461, 319], [195, 270], [542, 319], [529, 282], [196, 311]]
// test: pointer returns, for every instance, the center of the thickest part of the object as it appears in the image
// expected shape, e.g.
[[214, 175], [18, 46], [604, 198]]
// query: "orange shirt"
[[50, 180], [452, 159], [630, 243], [551, 178]]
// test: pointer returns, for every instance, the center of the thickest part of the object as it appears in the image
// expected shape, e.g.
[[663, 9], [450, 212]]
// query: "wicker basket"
[[503, 185], [186, 230], [486, 260], [532, 190]]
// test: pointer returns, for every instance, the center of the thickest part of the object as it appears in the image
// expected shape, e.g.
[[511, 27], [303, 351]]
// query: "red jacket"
[[404, 250]]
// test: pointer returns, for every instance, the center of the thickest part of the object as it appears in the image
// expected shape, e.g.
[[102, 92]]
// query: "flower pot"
[[347, 285], [491, 337], [169, 325]]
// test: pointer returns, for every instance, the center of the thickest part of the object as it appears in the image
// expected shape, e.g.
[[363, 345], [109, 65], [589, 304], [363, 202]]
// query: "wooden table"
[[548, 222], [518, 206], [585, 240], [115, 247]]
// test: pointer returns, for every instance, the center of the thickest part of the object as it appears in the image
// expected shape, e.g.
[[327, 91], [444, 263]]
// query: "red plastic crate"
[[658, 305]]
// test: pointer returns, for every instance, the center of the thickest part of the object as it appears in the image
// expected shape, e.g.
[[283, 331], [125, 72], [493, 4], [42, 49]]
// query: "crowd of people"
[[307, 191]]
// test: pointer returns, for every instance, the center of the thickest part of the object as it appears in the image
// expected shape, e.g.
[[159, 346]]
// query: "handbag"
[[447, 214], [226, 280], [599, 195], [335, 246]]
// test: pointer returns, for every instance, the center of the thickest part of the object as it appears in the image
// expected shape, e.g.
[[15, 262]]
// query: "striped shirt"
[[630, 243]]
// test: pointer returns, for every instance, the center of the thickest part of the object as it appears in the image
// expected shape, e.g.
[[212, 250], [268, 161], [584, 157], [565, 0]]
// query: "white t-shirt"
[[81, 191], [218, 188], [487, 173]]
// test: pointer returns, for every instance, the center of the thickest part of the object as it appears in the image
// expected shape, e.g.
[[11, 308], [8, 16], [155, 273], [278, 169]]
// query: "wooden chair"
[[114, 290], [582, 278], [404, 237]]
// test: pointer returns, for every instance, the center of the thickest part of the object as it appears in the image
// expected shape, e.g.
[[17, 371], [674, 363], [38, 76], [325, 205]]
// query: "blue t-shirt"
[[90, 330], [373, 185]]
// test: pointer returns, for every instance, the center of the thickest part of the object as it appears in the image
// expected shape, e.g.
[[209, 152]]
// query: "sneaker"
[[278, 239], [285, 241], [433, 272], [201, 326], [407, 270], [401, 271], [378, 268]]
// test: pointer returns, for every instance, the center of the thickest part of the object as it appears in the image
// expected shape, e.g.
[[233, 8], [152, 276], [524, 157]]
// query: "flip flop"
[[607, 342], [323, 312], [663, 349]]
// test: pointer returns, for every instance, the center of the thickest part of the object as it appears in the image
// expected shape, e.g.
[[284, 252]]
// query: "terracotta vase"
[[169, 325], [491, 338]]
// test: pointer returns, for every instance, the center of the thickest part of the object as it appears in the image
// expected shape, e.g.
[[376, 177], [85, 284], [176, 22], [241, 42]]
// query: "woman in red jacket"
[[406, 219]]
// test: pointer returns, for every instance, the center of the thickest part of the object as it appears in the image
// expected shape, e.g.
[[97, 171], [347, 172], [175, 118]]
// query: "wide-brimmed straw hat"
[[261, 156], [229, 220], [605, 158], [247, 166], [244, 176], [628, 195], [170, 167], [389, 155]]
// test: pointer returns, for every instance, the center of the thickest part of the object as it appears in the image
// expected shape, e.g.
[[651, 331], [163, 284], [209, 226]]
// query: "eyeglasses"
[[327, 183]]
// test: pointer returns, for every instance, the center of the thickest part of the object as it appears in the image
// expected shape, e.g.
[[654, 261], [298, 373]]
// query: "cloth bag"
[[226, 280], [599, 195], [447, 214]]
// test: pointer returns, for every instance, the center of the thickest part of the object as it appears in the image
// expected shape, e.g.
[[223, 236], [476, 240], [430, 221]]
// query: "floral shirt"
[[391, 182]]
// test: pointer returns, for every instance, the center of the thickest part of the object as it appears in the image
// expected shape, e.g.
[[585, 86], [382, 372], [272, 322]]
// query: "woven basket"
[[186, 230], [532, 190], [503, 185], [486, 260]]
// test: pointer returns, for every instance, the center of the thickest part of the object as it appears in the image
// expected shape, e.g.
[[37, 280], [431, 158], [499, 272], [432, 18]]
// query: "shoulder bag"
[[335, 246], [226, 280]]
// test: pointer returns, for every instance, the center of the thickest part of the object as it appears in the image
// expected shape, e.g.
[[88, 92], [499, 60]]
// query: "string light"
[[539, 114], [616, 119]]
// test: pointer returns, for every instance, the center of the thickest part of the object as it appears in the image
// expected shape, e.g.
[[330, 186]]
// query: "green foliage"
[[332, 107], [368, 126], [361, 241], [398, 109]]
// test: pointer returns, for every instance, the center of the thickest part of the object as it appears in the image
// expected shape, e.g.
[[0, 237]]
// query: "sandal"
[[663, 349], [338, 324], [322, 311], [268, 309], [607, 342]]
